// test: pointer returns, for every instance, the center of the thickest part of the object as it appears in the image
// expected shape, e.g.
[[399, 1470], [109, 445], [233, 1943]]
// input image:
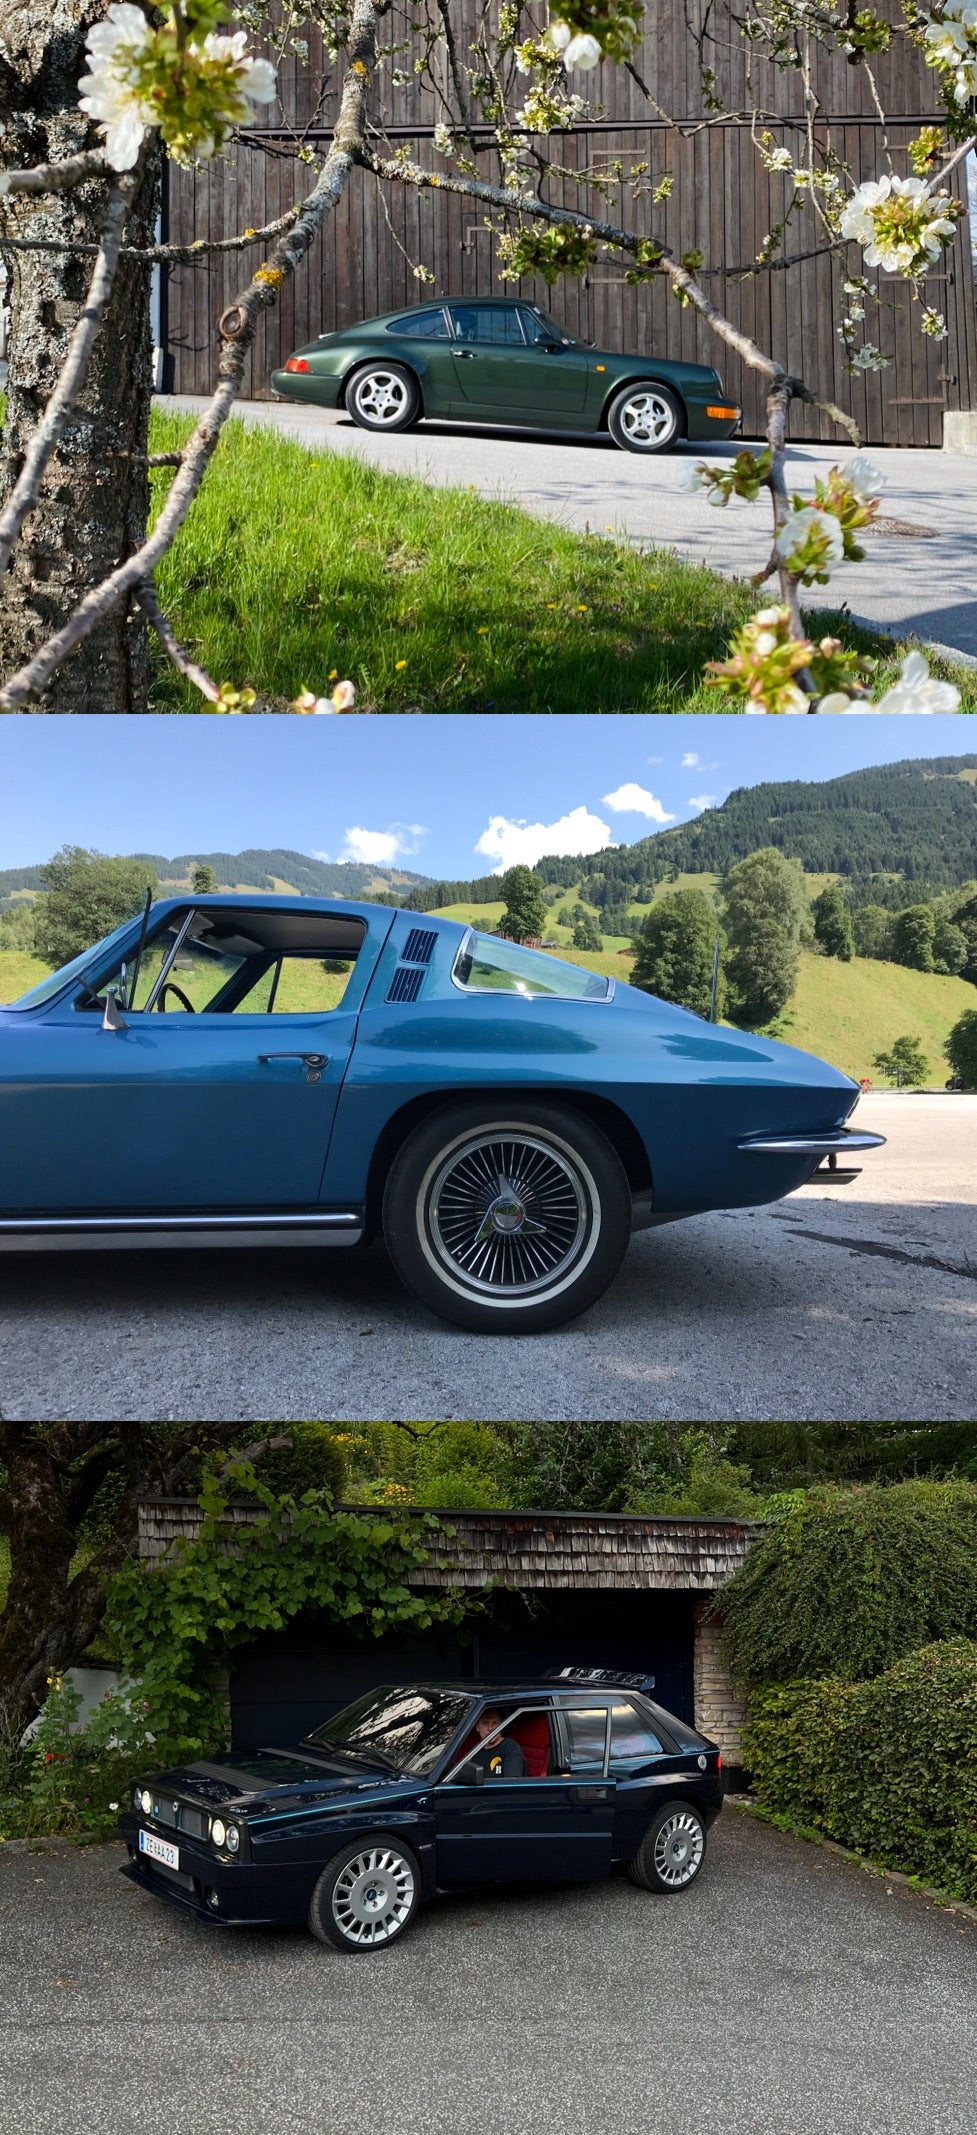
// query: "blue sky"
[[445, 796]]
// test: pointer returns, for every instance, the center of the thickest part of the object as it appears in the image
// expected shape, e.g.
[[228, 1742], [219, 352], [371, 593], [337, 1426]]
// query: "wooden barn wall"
[[722, 201]]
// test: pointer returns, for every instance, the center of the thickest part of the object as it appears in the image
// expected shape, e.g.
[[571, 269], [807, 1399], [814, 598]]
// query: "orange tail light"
[[296, 363]]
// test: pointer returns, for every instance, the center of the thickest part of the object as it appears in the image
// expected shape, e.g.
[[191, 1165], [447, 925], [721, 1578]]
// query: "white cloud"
[[631, 799], [702, 800], [509, 842], [380, 848], [689, 762]]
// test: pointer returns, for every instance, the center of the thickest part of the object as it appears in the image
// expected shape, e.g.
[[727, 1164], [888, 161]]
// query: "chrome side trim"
[[40, 1234], [811, 1144]]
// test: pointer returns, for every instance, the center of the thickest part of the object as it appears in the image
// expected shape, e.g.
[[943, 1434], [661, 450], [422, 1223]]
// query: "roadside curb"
[[748, 1807]]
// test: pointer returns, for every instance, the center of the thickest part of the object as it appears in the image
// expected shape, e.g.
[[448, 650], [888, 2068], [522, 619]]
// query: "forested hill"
[[257, 870], [917, 819]]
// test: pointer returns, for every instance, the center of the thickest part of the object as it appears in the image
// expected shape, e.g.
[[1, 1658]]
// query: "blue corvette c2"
[[267, 1069]]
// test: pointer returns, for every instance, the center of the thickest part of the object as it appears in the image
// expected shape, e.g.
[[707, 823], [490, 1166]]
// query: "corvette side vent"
[[420, 942], [406, 983]]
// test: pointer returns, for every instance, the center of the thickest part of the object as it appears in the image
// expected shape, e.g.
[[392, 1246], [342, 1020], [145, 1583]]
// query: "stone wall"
[[720, 1712]]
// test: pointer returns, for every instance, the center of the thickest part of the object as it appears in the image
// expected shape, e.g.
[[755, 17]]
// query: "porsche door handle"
[[464, 355], [312, 1060]]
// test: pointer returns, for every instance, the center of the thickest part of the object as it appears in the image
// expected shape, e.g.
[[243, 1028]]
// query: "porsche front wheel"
[[507, 1220]]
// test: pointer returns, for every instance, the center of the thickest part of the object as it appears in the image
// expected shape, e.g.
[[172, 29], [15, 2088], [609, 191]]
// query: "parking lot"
[[789, 1992], [848, 1303]]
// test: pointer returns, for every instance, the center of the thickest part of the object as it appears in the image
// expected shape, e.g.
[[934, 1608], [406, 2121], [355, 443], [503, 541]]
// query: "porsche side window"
[[495, 323], [422, 326], [486, 964], [633, 1740]]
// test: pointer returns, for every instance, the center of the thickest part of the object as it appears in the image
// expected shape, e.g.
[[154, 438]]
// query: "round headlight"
[[137, 1797], [233, 1838], [146, 1802], [217, 1832]]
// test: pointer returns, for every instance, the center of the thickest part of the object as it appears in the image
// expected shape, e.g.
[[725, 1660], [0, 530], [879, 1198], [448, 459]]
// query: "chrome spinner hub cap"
[[508, 1213]]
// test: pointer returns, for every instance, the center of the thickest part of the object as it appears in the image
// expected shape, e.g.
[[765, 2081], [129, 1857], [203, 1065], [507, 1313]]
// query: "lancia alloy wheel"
[[672, 1851], [366, 1897]]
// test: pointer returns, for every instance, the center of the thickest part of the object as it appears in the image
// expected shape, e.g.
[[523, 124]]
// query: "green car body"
[[499, 360]]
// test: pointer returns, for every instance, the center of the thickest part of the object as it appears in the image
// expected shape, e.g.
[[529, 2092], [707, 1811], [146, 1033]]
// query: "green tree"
[[905, 1063], [17, 926], [961, 1049], [203, 880], [832, 923], [950, 948], [872, 931], [965, 918], [88, 894], [525, 911], [765, 909], [913, 935], [587, 934], [675, 952]]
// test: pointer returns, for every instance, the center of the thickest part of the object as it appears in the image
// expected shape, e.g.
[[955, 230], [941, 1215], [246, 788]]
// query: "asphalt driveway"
[[920, 567], [789, 1993], [849, 1303]]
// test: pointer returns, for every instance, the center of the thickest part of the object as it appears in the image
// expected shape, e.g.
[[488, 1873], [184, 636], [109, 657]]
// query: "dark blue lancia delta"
[[428, 1787]]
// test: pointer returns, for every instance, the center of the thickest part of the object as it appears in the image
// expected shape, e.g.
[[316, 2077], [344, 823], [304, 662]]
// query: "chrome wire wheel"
[[647, 419], [373, 1897], [678, 1849], [383, 399], [509, 1215]]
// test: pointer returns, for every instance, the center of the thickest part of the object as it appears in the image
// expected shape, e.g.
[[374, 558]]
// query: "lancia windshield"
[[407, 1730]]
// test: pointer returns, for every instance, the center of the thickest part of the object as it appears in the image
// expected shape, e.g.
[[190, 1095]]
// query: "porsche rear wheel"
[[511, 1219], [645, 418], [366, 1896], [383, 396], [672, 1851]]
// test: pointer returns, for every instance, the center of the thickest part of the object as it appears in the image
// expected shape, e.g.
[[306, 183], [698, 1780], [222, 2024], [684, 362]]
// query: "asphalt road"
[[848, 1304], [918, 572], [789, 1993]]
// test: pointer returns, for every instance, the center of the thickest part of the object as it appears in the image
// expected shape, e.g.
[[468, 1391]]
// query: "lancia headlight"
[[217, 1832], [145, 1801], [233, 1838]]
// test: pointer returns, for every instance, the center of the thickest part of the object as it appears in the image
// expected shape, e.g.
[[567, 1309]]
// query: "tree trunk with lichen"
[[94, 500]]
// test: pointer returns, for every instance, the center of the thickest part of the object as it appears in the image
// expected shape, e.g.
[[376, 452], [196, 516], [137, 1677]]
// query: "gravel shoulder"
[[788, 1992], [850, 1304]]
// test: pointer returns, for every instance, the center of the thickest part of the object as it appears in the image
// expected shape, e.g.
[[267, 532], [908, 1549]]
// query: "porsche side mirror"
[[113, 1018]]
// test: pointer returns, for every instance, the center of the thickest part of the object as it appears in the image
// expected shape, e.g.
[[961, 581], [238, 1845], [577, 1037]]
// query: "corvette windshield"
[[408, 1730], [487, 964], [46, 989]]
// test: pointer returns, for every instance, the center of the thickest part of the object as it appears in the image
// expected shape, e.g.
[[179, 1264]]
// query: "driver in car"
[[501, 1758]]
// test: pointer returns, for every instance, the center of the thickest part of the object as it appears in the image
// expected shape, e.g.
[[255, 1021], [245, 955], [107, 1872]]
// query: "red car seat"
[[532, 1732]]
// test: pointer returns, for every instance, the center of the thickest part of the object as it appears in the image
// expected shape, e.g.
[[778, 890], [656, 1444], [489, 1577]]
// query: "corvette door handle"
[[312, 1060]]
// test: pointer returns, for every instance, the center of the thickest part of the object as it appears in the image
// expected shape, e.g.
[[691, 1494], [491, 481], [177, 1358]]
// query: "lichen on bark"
[[94, 500]]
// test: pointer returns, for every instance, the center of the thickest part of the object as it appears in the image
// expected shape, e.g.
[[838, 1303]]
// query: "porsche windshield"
[[403, 1730]]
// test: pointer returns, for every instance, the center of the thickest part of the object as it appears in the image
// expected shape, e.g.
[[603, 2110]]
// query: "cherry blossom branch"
[[162, 254], [74, 371], [236, 328], [56, 177], [185, 665]]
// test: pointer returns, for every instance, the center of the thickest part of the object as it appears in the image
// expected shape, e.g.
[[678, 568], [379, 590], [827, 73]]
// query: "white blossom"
[[875, 218], [558, 35], [112, 98], [256, 78], [869, 358], [693, 476], [779, 159], [915, 691], [442, 139], [798, 530], [866, 479], [951, 46], [583, 52]]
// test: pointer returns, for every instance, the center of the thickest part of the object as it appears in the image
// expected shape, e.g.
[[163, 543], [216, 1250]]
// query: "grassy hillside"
[[19, 972]]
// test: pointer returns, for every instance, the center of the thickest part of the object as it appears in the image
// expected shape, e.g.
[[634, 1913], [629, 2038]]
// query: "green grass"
[[296, 564], [19, 972]]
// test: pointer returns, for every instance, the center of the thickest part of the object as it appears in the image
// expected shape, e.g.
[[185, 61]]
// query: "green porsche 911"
[[499, 360]]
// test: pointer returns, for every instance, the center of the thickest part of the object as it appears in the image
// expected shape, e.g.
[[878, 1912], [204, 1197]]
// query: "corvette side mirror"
[[113, 1019]]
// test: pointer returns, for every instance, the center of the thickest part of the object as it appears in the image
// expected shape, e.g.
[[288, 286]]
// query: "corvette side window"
[[486, 964], [310, 982]]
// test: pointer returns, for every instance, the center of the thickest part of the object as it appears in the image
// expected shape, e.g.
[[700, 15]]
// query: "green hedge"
[[844, 1582], [888, 1767]]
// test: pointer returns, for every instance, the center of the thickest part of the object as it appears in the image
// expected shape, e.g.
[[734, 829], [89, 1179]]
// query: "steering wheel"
[[170, 986]]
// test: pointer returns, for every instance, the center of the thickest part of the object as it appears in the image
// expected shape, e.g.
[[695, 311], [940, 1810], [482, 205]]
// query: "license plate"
[[159, 1849]]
